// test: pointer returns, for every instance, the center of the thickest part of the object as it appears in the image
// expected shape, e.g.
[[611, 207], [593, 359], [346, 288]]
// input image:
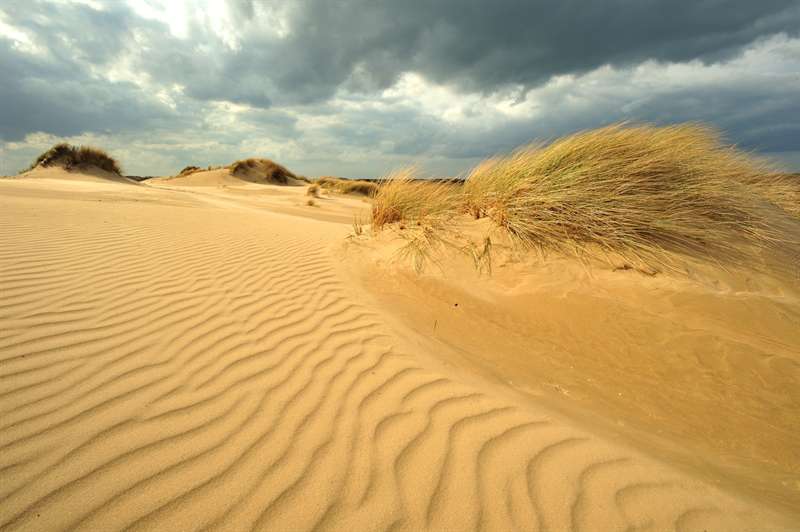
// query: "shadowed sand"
[[177, 357]]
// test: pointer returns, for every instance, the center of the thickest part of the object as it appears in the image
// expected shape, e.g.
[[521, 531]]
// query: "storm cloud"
[[484, 45], [356, 87]]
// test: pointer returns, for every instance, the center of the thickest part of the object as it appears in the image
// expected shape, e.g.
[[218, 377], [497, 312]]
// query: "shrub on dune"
[[638, 191], [327, 181], [262, 170], [362, 188], [189, 170], [71, 157], [348, 186], [313, 190]]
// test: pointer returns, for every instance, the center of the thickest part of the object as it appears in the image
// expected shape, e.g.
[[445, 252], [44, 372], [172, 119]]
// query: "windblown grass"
[[421, 212], [782, 190], [401, 198], [313, 190], [642, 192], [70, 157], [348, 186]]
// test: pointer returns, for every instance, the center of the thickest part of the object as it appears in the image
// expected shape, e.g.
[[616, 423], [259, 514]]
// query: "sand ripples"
[[208, 370]]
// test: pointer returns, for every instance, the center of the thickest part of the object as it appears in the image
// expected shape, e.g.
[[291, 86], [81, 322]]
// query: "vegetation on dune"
[[70, 157], [782, 190], [638, 191], [422, 211], [189, 170], [313, 190], [262, 170], [401, 198], [361, 188], [348, 186]]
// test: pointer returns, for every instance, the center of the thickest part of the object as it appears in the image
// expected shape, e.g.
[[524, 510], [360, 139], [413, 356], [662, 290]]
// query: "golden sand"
[[204, 354]]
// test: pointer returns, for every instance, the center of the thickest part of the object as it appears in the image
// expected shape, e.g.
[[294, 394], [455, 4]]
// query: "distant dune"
[[259, 171]]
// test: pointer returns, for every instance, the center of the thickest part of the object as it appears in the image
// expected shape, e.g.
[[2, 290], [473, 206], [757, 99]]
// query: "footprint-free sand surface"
[[183, 356]]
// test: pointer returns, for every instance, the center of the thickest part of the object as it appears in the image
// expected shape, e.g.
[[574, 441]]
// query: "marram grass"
[[70, 157], [642, 192]]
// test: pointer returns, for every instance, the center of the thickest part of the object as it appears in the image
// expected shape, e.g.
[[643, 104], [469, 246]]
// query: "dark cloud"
[[64, 99], [62, 90], [483, 45], [312, 84], [477, 45], [76, 33]]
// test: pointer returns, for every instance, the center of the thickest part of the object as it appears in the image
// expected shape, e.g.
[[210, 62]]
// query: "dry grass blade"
[[358, 226]]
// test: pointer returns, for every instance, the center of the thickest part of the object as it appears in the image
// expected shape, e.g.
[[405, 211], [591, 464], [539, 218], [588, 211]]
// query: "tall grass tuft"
[[70, 157], [401, 198], [639, 191]]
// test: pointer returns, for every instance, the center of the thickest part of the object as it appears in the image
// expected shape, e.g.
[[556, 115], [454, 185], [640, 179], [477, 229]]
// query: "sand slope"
[[173, 362], [701, 368]]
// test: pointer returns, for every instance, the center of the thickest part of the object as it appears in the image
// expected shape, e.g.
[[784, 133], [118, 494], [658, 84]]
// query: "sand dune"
[[75, 177], [174, 359], [204, 178], [219, 177]]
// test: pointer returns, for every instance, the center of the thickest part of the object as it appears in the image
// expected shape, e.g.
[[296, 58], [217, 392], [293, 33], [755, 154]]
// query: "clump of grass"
[[70, 157], [189, 170], [493, 182], [362, 188], [310, 203], [261, 171], [348, 186], [401, 198], [313, 190], [421, 212], [328, 181], [641, 192]]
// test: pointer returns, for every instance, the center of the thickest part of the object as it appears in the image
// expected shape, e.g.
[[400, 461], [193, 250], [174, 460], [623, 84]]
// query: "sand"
[[176, 356]]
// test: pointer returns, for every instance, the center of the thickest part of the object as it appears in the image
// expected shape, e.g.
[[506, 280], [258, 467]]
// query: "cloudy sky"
[[357, 87]]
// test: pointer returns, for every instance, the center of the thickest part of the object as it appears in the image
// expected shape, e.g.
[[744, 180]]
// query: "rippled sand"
[[179, 357]]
